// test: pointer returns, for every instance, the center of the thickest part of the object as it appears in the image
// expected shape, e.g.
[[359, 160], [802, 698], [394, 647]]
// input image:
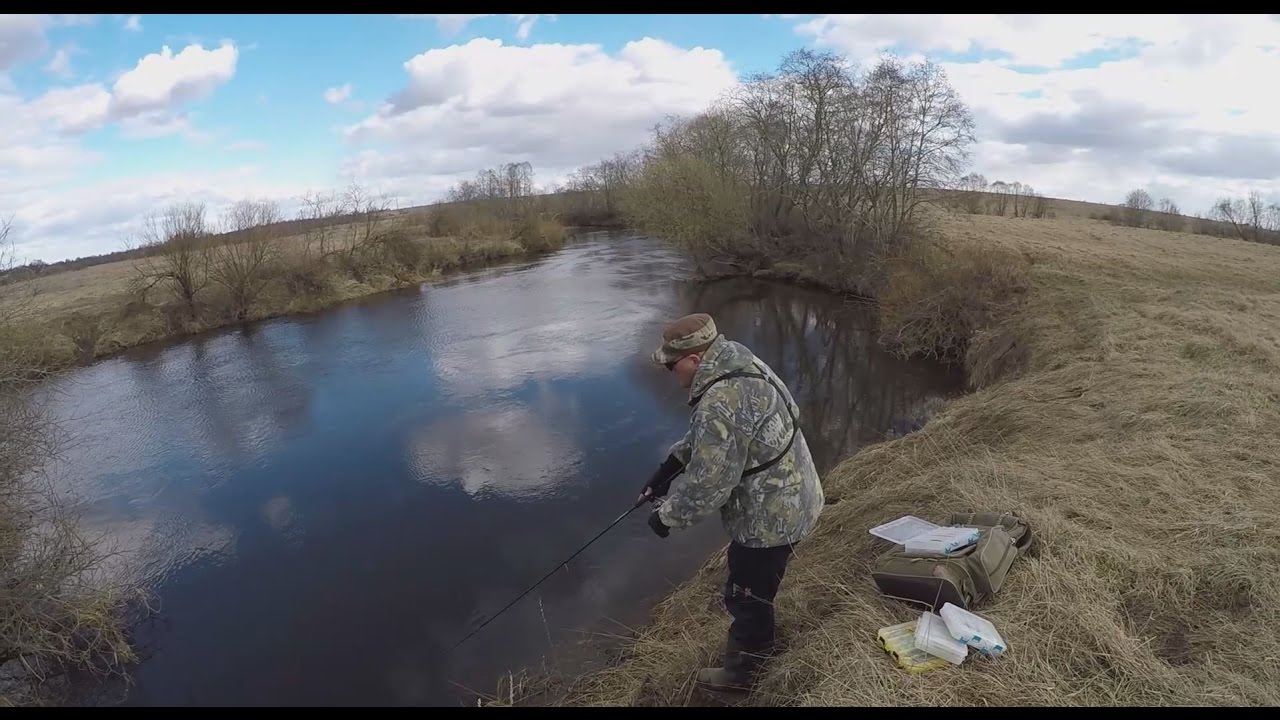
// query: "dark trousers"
[[754, 577]]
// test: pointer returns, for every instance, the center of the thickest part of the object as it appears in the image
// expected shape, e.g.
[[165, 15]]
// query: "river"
[[321, 505]]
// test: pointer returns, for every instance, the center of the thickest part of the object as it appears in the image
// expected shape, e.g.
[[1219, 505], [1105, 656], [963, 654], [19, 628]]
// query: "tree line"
[[819, 161]]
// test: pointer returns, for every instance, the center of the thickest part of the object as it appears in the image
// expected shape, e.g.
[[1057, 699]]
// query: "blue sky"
[[107, 117]]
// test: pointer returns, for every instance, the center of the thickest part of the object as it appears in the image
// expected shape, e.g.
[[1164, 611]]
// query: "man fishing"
[[744, 454]]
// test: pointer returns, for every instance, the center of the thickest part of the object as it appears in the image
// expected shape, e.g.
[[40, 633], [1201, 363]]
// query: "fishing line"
[[509, 605]]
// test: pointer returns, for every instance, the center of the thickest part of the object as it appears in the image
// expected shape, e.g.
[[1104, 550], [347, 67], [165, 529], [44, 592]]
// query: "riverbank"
[[1124, 406], [82, 315]]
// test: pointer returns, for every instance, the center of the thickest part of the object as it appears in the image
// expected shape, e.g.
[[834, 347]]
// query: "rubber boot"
[[735, 674]]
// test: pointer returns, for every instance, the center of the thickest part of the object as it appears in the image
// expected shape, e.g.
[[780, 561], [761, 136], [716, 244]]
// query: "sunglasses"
[[671, 366]]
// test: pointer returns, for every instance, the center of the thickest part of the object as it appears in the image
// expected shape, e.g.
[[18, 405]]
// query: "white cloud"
[[451, 24], [1178, 104], [60, 64], [1039, 40], [163, 79], [525, 24], [54, 221], [471, 106], [454, 24], [74, 109], [161, 124], [147, 94], [134, 23], [335, 95], [22, 38], [29, 153], [510, 451], [43, 166], [72, 19]]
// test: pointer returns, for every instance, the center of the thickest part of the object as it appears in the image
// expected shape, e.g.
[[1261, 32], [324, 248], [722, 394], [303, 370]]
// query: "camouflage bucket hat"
[[685, 336]]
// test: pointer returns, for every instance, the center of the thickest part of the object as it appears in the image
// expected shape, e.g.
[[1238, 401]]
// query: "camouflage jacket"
[[738, 424]]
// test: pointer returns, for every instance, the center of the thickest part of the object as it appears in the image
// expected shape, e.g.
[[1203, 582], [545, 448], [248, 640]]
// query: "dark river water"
[[322, 505]]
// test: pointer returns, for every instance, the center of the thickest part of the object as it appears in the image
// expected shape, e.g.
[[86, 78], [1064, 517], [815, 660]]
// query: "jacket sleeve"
[[683, 447], [717, 458]]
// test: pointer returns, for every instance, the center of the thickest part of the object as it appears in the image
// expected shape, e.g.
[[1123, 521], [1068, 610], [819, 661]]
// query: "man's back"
[[745, 453]]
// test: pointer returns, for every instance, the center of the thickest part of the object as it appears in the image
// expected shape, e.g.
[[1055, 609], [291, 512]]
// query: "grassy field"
[[1131, 420], [78, 315]]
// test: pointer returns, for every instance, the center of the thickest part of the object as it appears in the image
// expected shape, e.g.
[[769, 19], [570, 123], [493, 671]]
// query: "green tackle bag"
[[963, 578]]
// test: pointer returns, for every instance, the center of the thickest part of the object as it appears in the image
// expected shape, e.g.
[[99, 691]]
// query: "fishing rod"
[[509, 605]]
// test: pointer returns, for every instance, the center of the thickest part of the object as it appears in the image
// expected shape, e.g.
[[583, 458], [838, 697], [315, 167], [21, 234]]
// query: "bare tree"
[[1034, 204], [828, 153], [240, 263], [1026, 201], [1252, 218], [1040, 207], [1258, 214], [1169, 217], [1136, 207], [1016, 197], [999, 201], [320, 215], [8, 256], [517, 186], [177, 252], [598, 188], [818, 157], [973, 188], [366, 223], [15, 300], [1234, 213]]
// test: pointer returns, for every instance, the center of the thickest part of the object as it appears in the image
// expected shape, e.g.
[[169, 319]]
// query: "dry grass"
[[56, 612], [83, 314], [1138, 440], [943, 297]]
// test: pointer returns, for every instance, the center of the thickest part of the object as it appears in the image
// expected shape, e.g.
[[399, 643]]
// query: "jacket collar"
[[724, 356]]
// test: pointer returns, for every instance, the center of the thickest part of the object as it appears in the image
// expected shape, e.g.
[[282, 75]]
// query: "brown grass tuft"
[[944, 296], [538, 234]]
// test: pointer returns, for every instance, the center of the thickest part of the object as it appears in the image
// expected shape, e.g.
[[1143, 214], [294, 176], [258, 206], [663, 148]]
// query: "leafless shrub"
[[240, 262], [177, 253], [54, 613], [1136, 208], [83, 330], [973, 188], [998, 202], [1252, 218], [1040, 207], [1168, 216], [319, 217], [366, 224]]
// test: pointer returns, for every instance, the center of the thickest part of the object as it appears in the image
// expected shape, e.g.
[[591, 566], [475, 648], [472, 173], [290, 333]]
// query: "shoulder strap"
[[795, 423]]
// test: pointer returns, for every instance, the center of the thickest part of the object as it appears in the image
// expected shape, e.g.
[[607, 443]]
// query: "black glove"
[[660, 482], [655, 523]]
